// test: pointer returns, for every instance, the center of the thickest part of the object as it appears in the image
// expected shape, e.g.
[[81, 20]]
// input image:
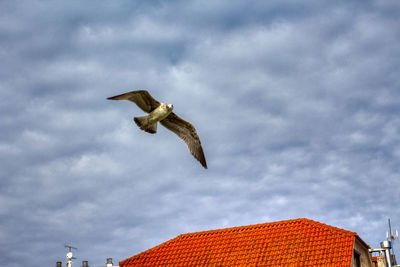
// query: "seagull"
[[160, 112]]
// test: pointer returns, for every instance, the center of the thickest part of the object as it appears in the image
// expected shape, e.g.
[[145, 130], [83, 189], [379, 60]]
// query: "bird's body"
[[149, 123], [160, 112]]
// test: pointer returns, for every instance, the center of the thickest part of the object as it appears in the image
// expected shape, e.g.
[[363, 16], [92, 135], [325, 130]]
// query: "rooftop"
[[298, 242]]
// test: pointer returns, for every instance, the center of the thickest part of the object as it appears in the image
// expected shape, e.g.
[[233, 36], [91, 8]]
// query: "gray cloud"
[[296, 106]]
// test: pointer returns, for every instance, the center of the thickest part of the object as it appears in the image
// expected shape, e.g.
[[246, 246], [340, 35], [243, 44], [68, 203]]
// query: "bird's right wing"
[[187, 133], [141, 98]]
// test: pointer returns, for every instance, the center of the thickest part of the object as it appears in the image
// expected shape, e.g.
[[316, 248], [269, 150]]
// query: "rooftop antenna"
[[390, 237], [70, 255]]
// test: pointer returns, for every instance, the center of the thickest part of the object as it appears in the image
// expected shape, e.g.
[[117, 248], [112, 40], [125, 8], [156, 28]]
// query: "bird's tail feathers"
[[143, 123]]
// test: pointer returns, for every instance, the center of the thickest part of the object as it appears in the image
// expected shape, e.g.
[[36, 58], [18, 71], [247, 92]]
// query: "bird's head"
[[169, 107]]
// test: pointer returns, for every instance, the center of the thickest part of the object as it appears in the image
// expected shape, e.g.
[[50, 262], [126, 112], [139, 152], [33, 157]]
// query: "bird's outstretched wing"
[[141, 98], [187, 133]]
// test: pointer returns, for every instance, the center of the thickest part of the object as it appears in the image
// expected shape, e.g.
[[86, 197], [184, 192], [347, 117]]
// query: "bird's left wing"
[[187, 133], [141, 98]]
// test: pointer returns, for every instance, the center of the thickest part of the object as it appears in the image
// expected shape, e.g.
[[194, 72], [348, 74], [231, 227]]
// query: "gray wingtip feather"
[[204, 165], [202, 159], [119, 97]]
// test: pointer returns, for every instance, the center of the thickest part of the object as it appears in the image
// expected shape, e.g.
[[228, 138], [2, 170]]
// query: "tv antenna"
[[70, 255], [390, 237]]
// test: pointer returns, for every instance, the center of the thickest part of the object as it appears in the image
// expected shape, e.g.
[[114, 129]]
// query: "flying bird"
[[160, 112]]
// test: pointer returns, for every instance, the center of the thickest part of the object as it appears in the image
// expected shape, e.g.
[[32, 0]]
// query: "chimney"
[[109, 262], [85, 264], [59, 264]]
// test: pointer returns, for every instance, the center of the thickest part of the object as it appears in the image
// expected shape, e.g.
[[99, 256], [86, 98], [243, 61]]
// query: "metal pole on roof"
[[390, 235]]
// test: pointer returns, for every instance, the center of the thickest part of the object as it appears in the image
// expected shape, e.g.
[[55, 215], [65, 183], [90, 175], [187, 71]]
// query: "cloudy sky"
[[296, 103]]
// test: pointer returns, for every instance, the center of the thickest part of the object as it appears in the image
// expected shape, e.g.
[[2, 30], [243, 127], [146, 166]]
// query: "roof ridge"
[[236, 227], [309, 221]]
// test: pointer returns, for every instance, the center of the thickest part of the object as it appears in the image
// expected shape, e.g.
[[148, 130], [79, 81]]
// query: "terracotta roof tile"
[[299, 242]]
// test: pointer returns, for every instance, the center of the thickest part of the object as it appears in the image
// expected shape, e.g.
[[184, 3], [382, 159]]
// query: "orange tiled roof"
[[299, 242]]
